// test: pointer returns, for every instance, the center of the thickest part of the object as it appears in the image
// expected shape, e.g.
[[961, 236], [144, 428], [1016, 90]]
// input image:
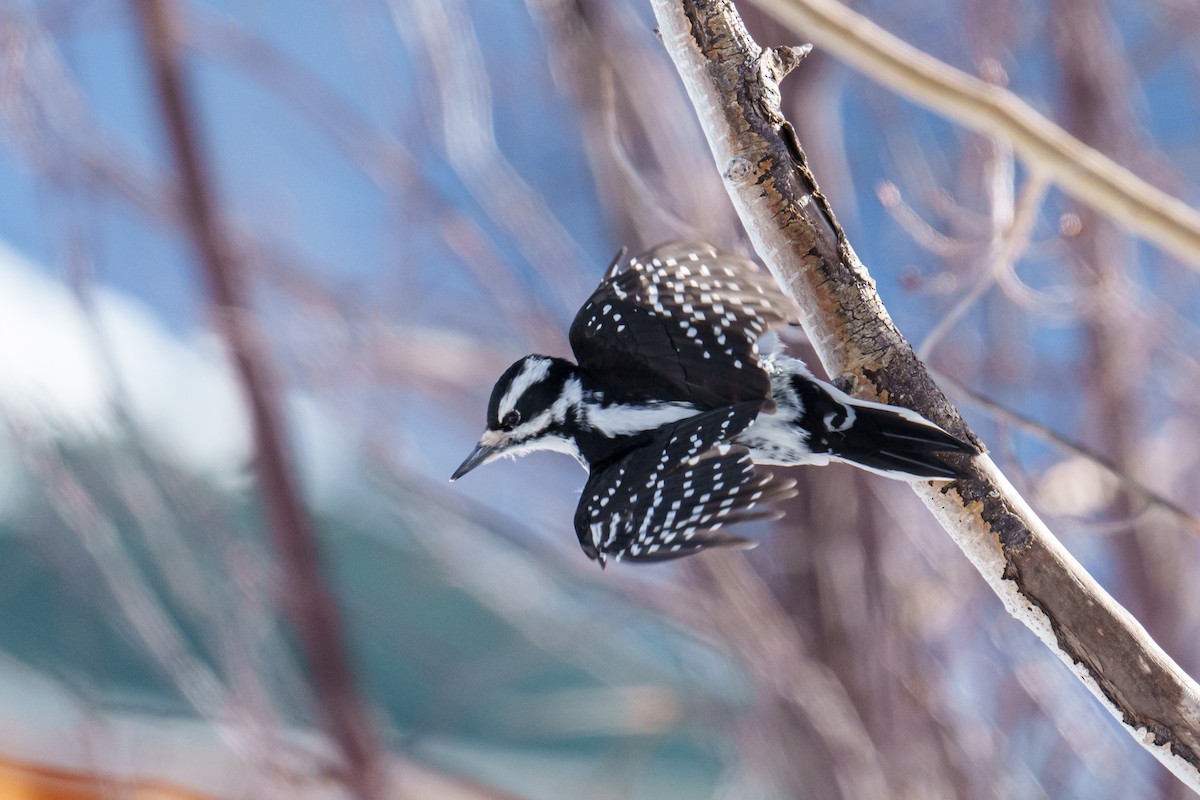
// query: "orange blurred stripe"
[[27, 781]]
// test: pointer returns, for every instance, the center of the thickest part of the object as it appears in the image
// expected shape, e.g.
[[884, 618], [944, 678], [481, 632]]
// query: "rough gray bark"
[[734, 85]]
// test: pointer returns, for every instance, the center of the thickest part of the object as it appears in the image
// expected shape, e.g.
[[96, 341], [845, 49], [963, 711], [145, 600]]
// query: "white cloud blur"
[[65, 375], [62, 374]]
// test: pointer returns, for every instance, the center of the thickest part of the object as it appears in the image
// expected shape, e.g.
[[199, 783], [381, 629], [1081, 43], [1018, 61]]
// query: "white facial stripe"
[[558, 444], [555, 444], [530, 428], [572, 396], [532, 371], [531, 434], [619, 420]]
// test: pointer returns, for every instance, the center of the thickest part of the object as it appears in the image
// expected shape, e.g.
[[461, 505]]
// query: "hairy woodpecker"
[[671, 406]]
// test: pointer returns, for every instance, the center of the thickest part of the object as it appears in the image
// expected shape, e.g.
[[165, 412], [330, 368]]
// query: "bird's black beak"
[[480, 454]]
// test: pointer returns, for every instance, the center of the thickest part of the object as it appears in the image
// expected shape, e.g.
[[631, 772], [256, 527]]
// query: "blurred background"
[[417, 193]]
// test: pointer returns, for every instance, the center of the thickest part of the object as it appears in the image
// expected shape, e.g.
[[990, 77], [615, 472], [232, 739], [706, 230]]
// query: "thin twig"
[[738, 605], [444, 34], [1031, 426], [1004, 253]]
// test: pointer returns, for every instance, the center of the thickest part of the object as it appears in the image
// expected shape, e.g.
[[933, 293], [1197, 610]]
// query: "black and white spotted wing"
[[680, 322], [667, 499]]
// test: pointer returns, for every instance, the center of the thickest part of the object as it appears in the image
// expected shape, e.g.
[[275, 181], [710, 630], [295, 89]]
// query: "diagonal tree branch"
[[734, 85], [310, 605]]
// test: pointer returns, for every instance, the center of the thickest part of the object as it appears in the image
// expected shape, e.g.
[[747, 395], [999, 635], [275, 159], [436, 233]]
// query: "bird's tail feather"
[[895, 442]]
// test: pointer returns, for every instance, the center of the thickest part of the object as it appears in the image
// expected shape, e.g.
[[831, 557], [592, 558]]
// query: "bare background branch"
[[311, 607]]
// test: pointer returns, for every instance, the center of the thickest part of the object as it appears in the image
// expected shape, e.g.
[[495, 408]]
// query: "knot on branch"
[[739, 169]]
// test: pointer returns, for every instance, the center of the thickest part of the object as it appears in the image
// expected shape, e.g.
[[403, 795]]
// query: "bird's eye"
[[511, 420]]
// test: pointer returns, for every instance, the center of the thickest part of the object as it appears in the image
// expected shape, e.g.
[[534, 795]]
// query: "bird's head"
[[529, 410]]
